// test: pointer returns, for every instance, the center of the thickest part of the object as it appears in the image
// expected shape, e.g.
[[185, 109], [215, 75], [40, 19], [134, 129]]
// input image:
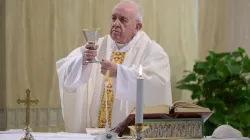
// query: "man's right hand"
[[89, 52]]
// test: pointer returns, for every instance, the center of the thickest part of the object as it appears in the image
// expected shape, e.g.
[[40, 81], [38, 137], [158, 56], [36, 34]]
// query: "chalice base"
[[92, 61], [29, 138], [138, 130], [27, 134], [107, 136]]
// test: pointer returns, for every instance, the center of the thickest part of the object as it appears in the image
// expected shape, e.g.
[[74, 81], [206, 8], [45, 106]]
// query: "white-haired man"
[[82, 85]]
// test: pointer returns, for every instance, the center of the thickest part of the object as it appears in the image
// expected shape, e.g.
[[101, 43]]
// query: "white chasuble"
[[81, 86]]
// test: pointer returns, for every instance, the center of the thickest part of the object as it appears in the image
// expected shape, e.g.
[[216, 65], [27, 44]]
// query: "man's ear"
[[138, 26]]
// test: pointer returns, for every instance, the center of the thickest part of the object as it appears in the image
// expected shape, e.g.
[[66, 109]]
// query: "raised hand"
[[108, 65], [89, 53]]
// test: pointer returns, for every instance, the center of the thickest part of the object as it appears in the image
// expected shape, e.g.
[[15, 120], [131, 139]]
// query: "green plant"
[[222, 83]]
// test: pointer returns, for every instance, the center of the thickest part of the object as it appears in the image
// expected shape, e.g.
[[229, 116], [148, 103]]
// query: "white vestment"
[[81, 86]]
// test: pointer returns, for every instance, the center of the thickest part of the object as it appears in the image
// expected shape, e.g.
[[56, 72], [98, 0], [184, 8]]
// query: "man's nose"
[[117, 22]]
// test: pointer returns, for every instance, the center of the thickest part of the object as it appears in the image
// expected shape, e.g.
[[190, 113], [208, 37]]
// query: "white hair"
[[138, 9]]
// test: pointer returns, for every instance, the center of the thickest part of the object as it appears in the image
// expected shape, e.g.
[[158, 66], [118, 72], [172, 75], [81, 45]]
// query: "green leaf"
[[212, 81], [191, 87], [240, 94], [211, 77], [230, 117], [212, 54], [221, 55], [229, 59], [244, 118], [234, 124], [222, 70], [219, 92], [234, 69], [241, 50], [197, 94], [214, 101], [200, 67], [246, 64], [237, 54], [245, 107], [217, 118], [188, 78], [187, 71], [209, 128]]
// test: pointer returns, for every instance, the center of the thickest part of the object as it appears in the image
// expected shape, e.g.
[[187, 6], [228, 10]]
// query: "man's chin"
[[115, 38]]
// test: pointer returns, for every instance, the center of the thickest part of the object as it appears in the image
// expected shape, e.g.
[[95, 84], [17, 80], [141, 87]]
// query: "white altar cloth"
[[16, 134]]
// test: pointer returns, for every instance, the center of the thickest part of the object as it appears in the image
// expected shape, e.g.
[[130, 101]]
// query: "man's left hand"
[[108, 65]]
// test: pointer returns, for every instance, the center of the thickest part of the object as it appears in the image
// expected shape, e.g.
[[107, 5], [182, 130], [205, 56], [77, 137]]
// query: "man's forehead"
[[123, 9]]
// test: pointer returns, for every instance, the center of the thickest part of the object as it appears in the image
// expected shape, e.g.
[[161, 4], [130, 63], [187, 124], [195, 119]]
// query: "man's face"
[[124, 23]]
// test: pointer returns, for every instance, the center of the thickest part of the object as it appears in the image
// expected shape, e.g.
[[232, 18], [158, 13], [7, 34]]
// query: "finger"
[[89, 57], [104, 65], [103, 72], [91, 43], [104, 69], [96, 46], [90, 46], [90, 51], [102, 62]]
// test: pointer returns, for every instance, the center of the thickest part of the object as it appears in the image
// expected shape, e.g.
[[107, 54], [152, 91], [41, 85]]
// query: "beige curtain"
[[39, 32], [224, 25], [172, 24], [36, 33], [2, 55]]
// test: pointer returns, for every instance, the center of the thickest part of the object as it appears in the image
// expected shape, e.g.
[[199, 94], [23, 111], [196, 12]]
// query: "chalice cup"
[[92, 36]]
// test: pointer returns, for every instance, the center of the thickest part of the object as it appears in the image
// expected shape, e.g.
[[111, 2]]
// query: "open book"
[[179, 109]]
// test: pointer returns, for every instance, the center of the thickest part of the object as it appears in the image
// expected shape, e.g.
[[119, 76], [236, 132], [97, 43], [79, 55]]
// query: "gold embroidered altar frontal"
[[173, 128]]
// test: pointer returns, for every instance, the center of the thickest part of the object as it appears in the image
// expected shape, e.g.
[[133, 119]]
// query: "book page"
[[180, 109], [186, 109], [183, 104], [159, 109]]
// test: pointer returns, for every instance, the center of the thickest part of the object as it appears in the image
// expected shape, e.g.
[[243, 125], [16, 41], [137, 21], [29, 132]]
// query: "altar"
[[179, 128]]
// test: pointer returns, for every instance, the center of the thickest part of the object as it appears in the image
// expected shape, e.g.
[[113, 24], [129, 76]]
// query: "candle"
[[139, 98]]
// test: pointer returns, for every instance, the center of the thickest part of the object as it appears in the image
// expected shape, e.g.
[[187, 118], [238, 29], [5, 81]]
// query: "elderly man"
[[82, 85]]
